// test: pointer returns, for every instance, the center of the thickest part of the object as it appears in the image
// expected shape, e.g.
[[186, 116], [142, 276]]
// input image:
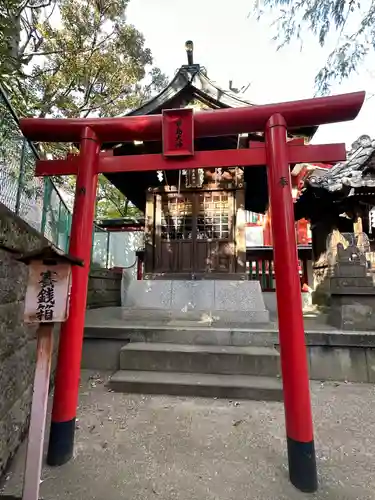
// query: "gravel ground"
[[170, 448]]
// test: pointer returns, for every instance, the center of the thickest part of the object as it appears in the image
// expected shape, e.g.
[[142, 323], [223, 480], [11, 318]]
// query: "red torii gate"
[[277, 154]]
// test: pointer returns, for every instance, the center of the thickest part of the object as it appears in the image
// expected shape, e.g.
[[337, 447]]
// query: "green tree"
[[350, 22], [74, 58], [112, 204]]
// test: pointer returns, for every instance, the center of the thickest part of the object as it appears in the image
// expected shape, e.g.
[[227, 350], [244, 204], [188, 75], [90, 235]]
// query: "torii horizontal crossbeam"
[[329, 153], [304, 113]]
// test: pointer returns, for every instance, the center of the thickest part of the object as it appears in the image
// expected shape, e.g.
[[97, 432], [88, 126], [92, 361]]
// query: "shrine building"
[[196, 220]]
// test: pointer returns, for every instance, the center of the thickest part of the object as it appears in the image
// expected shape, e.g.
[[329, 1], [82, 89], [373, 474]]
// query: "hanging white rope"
[[160, 175]]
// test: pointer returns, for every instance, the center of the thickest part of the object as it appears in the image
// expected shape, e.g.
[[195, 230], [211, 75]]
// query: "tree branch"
[[89, 91], [101, 105], [64, 51]]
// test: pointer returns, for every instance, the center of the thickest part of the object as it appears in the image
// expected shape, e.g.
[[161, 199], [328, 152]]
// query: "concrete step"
[[183, 334], [225, 360], [109, 317], [197, 384]]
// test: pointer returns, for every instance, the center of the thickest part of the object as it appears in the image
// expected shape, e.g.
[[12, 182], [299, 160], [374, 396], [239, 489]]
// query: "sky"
[[233, 46]]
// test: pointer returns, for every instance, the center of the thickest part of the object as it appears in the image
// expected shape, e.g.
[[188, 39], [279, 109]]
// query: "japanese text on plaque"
[[179, 141], [46, 296]]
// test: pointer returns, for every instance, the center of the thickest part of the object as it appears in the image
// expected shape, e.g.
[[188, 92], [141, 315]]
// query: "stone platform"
[[333, 354], [240, 301], [198, 368]]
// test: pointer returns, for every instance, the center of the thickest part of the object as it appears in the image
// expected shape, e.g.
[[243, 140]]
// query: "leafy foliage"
[[352, 22], [112, 204], [75, 58]]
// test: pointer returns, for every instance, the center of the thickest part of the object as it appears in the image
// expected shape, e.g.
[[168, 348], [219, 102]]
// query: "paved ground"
[[169, 448]]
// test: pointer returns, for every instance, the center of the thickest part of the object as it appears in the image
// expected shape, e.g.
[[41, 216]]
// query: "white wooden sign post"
[[47, 293], [46, 303]]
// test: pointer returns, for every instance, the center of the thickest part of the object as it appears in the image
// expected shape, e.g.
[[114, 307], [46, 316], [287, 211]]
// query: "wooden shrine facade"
[[198, 230]]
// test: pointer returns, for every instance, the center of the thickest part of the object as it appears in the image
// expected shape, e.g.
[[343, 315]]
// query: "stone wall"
[[104, 288], [17, 341]]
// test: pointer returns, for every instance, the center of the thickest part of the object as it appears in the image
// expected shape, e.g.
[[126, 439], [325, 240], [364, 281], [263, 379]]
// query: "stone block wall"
[[17, 357], [104, 288], [17, 340]]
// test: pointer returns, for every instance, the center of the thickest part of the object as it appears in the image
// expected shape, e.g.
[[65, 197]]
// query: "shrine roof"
[[122, 223], [191, 81], [191, 84], [343, 186], [358, 171]]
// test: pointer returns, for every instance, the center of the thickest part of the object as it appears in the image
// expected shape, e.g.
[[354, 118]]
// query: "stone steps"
[[197, 384], [203, 359], [183, 333], [247, 372], [189, 352]]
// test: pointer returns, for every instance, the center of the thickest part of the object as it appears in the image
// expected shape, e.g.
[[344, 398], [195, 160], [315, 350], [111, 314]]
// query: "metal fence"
[[34, 199], [37, 200]]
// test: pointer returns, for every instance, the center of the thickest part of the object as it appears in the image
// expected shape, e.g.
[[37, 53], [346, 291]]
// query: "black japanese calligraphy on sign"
[[283, 182], [46, 296], [179, 141]]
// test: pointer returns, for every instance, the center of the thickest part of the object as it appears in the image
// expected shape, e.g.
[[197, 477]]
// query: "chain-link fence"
[[37, 201], [34, 199]]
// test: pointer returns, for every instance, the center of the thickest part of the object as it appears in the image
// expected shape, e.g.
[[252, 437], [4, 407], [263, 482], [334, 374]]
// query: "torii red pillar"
[[67, 377], [277, 154], [298, 417]]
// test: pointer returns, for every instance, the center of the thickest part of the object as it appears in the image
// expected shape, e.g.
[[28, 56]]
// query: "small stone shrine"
[[350, 271], [352, 291]]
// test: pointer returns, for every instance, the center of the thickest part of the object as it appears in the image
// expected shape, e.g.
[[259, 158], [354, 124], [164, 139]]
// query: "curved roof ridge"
[[175, 86], [234, 98], [192, 78], [353, 172]]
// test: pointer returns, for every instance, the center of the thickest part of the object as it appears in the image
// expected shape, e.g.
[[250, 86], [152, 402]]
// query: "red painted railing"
[[260, 267]]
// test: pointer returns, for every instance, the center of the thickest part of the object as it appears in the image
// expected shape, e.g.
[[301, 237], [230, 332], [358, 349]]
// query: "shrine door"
[[194, 234]]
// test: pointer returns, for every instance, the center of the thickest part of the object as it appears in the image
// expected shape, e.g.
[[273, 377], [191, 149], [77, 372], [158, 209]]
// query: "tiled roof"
[[194, 79], [358, 171]]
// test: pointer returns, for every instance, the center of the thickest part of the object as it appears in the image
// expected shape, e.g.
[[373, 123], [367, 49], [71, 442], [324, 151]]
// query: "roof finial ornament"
[[189, 46]]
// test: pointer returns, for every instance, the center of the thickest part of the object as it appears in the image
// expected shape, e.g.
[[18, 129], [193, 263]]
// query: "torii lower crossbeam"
[[108, 164]]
